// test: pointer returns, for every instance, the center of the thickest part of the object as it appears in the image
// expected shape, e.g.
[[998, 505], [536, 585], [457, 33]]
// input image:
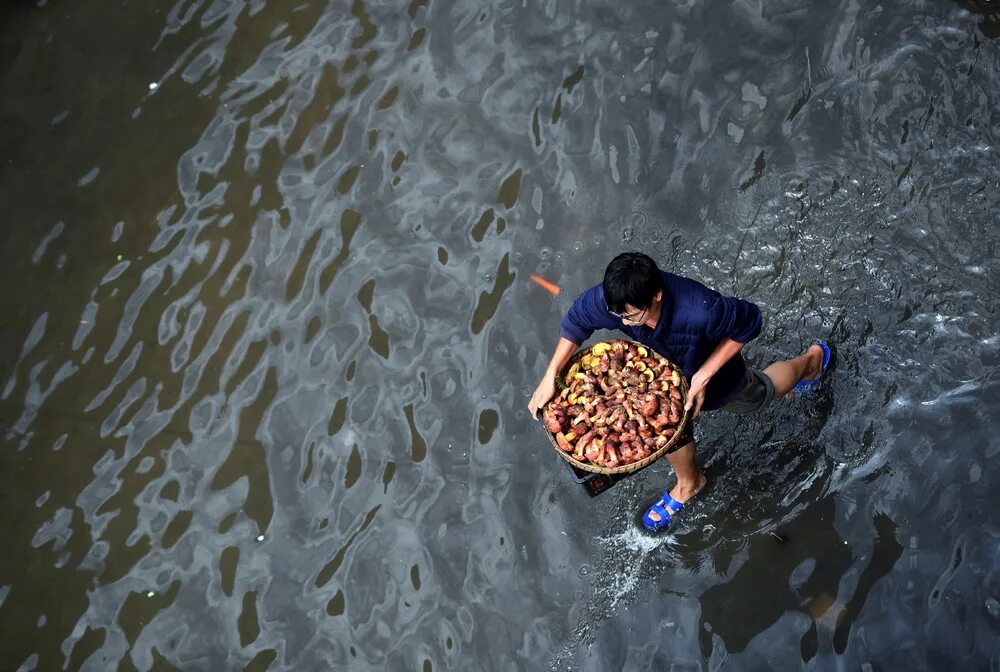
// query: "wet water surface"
[[269, 336]]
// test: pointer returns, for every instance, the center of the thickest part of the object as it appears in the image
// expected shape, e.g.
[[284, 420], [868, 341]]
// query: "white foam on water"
[[628, 550], [634, 540]]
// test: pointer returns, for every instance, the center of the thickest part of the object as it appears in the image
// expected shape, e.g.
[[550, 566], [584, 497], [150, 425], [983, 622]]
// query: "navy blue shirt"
[[693, 321]]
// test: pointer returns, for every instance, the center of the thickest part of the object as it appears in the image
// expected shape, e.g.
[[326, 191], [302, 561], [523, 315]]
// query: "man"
[[696, 328]]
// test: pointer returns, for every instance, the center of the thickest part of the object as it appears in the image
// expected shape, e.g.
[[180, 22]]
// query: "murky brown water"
[[268, 335]]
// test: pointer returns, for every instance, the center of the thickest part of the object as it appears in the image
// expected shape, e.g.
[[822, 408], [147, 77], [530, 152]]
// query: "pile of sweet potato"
[[621, 404]]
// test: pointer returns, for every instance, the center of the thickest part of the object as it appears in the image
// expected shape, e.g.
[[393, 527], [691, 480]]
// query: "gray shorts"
[[757, 393]]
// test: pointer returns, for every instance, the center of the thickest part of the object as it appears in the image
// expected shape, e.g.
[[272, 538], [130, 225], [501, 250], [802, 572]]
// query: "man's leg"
[[786, 374], [689, 478]]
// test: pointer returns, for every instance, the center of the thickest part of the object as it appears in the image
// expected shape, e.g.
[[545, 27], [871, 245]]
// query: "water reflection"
[[266, 355]]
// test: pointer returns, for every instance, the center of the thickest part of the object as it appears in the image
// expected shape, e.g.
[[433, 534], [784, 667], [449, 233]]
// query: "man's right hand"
[[547, 388], [542, 394]]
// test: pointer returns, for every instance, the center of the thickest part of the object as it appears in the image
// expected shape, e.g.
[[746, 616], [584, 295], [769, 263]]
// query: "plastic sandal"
[[807, 387], [662, 510]]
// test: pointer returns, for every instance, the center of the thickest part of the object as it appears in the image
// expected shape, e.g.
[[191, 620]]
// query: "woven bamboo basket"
[[632, 466]]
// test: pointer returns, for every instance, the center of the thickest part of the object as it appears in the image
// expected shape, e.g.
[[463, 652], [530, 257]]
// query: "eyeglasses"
[[630, 319]]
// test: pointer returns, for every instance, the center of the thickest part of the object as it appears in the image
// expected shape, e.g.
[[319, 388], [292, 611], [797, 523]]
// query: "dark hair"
[[631, 278]]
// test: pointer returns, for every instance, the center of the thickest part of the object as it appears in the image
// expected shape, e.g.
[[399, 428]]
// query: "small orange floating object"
[[546, 285]]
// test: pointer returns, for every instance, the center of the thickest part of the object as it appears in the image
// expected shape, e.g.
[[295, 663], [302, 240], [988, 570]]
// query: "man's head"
[[632, 286]]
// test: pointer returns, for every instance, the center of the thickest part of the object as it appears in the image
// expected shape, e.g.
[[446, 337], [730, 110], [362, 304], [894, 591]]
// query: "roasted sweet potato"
[[554, 418], [622, 402], [647, 406], [563, 443]]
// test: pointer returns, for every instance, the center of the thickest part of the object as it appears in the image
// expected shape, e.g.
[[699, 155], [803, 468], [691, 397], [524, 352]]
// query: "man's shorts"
[[757, 393], [686, 437]]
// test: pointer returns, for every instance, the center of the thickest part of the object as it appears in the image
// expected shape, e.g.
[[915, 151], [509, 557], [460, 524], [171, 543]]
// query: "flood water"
[[268, 335]]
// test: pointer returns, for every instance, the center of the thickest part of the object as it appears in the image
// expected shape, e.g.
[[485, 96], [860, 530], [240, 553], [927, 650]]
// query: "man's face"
[[634, 316]]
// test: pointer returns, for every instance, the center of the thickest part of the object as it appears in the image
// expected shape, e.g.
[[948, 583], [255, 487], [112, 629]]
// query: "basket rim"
[[631, 466]]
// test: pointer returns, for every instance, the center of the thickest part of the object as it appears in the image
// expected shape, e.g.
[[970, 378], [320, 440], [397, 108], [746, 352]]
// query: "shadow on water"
[[800, 569], [989, 10]]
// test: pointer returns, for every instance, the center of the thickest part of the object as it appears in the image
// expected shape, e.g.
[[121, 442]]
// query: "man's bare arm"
[[547, 387], [724, 351]]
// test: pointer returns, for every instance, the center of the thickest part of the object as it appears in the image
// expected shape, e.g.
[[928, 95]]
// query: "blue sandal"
[[807, 387], [664, 508]]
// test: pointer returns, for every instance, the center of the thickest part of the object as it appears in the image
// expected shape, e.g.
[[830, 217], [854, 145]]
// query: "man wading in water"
[[696, 328]]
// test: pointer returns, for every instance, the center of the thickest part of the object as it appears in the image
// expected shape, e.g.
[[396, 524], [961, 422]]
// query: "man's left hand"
[[696, 393]]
